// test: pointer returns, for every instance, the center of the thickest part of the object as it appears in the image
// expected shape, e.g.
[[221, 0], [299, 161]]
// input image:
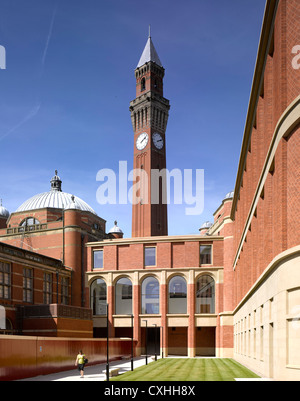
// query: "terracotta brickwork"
[[266, 207], [273, 227], [174, 257], [238, 300]]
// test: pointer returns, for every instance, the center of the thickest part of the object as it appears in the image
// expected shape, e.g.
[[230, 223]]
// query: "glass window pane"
[[150, 296], [98, 297], [177, 295], [205, 296], [150, 256], [205, 254], [123, 294], [98, 259]]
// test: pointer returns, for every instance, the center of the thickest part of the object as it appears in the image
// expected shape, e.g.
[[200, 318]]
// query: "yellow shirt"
[[81, 359]]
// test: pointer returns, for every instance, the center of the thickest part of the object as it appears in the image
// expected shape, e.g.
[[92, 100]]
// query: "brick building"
[[57, 225], [266, 206], [35, 292], [234, 289]]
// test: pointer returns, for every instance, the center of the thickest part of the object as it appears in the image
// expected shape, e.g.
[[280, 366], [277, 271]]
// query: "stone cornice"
[[155, 240]]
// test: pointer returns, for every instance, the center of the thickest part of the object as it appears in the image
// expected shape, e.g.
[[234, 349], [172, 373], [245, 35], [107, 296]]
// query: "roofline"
[[28, 252], [263, 50], [53, 208], [152, 240]]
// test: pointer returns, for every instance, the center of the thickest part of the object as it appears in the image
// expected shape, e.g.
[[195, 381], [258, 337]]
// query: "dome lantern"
[[116, 231], [56, 199], [56, 183]]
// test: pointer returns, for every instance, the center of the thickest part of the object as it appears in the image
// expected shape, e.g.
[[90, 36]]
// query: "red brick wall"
[[169, 254], [23, 357], [275, 226], [293, 188]]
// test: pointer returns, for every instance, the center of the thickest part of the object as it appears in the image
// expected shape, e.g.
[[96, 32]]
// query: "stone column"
[[191, 313], [164, 311]]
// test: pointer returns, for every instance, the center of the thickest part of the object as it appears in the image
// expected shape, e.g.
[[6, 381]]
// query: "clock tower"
[[149, 115]]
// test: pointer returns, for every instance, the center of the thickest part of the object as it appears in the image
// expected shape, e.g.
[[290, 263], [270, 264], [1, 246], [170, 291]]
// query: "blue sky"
[[69, 78]]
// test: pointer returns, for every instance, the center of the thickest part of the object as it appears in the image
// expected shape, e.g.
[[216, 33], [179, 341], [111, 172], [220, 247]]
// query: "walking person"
[[80, 362]]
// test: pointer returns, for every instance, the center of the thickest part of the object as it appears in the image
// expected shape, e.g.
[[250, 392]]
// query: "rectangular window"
[[28, 285], [65, 291], [150, 256], [5, 281], [47, 288], [98, 259], [205, 254]]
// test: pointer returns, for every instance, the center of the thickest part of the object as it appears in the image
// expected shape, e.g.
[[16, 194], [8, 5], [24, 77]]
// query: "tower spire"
[[149, 53]]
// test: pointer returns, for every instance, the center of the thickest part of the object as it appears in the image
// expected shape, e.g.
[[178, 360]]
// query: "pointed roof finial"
[[149, 53]]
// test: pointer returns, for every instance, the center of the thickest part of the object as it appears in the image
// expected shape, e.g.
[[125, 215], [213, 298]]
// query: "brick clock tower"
[[149, 115]]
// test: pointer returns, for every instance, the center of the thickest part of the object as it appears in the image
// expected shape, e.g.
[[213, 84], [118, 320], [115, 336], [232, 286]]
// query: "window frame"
[[48, 288], [213, 297], [151, 297], [28, 277], [64, 290], [93, 305], [211, 254], [5, 284], [94, 254], [123, 297], [155, 256], [172, 298]]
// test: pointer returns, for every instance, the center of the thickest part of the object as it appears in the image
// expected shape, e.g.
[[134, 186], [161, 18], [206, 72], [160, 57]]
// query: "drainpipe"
[[82, 271]]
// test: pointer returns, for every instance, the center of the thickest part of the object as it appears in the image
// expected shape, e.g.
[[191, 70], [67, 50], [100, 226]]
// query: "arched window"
[[150, 296], [177, 295], [143, 84], [205, 296], [29, 221], [123, 297], [98, 297]]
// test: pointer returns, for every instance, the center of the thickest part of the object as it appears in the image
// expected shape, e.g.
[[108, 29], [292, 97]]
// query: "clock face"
[[158, 141], [142, 141]]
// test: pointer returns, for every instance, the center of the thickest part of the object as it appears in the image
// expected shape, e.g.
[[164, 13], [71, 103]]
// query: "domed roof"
[[206, 225], [55, 198], [229, 195], [115, 229], [3, 211]]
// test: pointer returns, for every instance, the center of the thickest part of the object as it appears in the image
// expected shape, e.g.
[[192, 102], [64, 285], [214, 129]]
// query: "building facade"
[[172, 283], [233, 290], [245, 302], [35, 294], [56, 225], [266, 207]]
